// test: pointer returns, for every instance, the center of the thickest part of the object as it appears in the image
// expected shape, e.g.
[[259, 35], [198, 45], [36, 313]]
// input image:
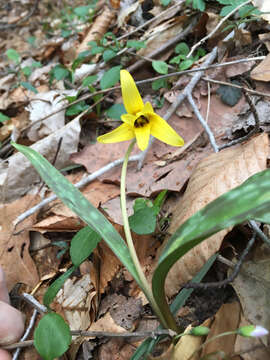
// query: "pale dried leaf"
[[252, 286], [75, 299], [264, 6], [226, 319], [98, 29], [161, 34], [265, 38], [43, 105], [106, 323], [214, 176], [186, 346], [125, 11], [262, 71], [15, 247], [17, 175]]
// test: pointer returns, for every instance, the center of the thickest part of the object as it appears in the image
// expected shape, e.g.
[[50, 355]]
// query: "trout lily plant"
[[52, 336]]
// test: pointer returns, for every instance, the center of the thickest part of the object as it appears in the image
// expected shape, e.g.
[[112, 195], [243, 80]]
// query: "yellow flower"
[[140, 120]]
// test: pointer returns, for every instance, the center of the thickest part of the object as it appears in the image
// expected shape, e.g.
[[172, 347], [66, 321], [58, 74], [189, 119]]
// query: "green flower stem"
[[143, 282], [233, 332]]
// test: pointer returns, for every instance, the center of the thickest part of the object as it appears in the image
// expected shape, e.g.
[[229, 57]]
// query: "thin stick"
[[26, 334], [99, 334], [178, 4], [194, 47], [79, 185], [203, 122], [231, 278], [164, 47], [251, 91]]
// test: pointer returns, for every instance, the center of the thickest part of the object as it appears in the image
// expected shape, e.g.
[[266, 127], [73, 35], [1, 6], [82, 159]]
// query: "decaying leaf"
[[17, 175], [262, 71], [75, 299], [252, 286], [60, 218], [98, 29], [42, 105], [214, 176], [226, 319], [15, 243], [187, 345]]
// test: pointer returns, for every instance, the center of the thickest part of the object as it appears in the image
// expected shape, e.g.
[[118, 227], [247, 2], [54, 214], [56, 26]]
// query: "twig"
[[33, 302], [251, 91], [237, 267], [178, 4], [137, 334], [194, 47], [164, 47], [26, 334], [259, 232], [79, 185], [203, 122]]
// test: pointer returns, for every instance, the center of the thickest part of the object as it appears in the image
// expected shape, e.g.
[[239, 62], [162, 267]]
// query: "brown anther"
[[141, 121]]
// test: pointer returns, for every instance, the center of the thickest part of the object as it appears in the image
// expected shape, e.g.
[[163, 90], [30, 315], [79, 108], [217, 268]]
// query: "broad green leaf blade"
[[110, 77], [160, 66], [82, 245], [52, 336], [56, 286], [143, 221], [251, 200], [75, 200], [115, 111], [148, 344]]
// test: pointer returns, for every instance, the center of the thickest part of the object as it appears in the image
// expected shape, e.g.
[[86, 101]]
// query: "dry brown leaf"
[[226, 319], [237, 69], [106, 323], [14, 248], [61, 218], [186, 346], [98, 29], [161, 34], [265, 38], [20, 175], [43, 105], [214, 176], [262, 71], [45, 258], [75, 299], [252, 286]]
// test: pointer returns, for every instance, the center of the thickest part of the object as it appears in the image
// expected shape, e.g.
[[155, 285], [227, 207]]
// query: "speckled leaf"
[[251, 200], [75, 200]]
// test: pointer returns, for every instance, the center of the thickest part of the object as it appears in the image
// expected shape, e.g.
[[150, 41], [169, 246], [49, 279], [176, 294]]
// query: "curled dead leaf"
[[214, 176]]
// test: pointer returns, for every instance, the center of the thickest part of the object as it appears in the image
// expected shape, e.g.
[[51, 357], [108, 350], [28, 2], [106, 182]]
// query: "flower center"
[[141, 121]]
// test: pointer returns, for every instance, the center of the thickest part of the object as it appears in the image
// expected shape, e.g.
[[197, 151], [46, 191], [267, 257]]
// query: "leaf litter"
[[208, 175]]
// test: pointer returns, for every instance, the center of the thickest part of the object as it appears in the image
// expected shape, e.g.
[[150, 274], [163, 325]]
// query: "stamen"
[[141, 121]]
